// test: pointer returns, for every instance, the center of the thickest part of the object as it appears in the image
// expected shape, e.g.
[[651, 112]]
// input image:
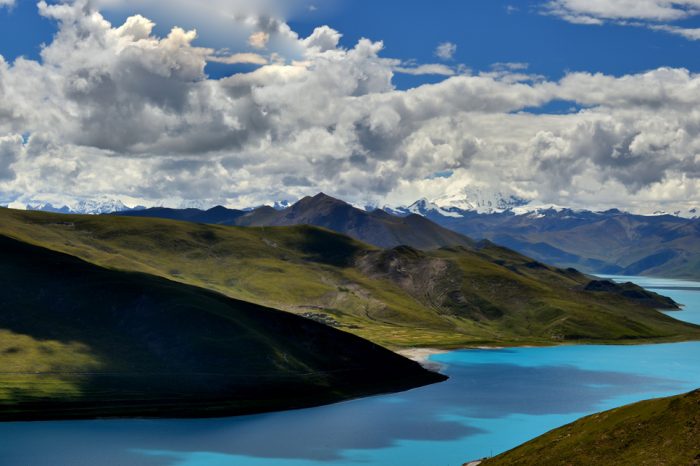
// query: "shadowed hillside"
[[655, 433], [77, 340], [449, 297]]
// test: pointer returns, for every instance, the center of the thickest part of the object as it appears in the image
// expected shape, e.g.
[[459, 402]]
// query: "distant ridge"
[[378, 228], [608, 242], [216, 215]]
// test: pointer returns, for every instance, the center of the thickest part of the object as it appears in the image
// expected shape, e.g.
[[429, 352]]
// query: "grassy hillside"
[[655, 432], [451, 297], [77, 340]]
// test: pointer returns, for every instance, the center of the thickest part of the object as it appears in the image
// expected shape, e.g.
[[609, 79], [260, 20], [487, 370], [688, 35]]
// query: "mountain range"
[[604, 242], [378, 227], [609, 242]]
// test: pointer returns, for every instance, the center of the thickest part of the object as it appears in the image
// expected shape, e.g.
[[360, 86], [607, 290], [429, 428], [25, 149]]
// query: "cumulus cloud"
[[7, 3], [115, 111], [10, 148], [653, 14], [322, 39], [259, 39], [446, 50]]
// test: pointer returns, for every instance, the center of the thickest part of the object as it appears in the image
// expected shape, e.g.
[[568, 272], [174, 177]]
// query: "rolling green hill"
[[654, 432], [78, 340], [399, 297]]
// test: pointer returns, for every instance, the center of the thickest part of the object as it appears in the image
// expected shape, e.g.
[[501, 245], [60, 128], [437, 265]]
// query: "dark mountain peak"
[[215, 215], [318, 200], [219, 209], [613, 212], [322, 195]]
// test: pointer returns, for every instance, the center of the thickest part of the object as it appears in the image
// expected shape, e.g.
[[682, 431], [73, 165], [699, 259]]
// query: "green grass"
[[444, 298], [23, 357], [654, 432], [78, 340]]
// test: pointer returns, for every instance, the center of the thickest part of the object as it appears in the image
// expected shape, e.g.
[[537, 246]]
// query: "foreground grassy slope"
[[77, 340], [397, 297], [654, 432]]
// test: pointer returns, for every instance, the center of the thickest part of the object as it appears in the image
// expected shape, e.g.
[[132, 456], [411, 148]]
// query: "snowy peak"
[[90, 207], [421, 207], [481, 201], [467, 200], [425, 207]]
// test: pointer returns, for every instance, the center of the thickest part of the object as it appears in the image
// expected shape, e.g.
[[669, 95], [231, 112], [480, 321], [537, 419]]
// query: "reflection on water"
[[494, 400]]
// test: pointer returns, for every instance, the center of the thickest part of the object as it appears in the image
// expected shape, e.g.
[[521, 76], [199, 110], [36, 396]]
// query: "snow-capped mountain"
[[478, 200], [422, 207], [467, 200], [83, 206]]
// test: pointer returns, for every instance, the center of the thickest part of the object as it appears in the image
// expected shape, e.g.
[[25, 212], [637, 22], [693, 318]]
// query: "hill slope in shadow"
[[78, 340]]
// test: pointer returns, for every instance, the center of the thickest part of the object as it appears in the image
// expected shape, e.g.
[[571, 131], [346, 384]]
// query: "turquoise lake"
[[494, 400]]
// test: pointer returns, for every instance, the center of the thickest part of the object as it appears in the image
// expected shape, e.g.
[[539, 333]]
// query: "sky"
[[580, 103]]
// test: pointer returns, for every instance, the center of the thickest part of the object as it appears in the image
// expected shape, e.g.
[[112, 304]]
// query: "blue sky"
[[485, 32], [488, 32]]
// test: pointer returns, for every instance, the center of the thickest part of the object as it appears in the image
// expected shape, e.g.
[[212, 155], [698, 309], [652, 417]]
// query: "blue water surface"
[[493, 401]]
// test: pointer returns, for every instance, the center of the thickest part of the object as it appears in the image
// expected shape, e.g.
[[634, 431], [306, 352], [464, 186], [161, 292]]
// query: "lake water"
[[494, 400]]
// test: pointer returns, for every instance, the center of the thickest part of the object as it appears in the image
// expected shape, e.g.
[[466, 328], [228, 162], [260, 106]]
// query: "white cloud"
[[322, 39], [657, 15], [10, 148], [117, 112], [7, 3], [236, 58], [259, 39], [426, 69], [446, 50], [510, 66], [688, 33], [654, 10]]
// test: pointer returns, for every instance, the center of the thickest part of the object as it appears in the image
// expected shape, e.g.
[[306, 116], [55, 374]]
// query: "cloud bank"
[[113, 110]]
